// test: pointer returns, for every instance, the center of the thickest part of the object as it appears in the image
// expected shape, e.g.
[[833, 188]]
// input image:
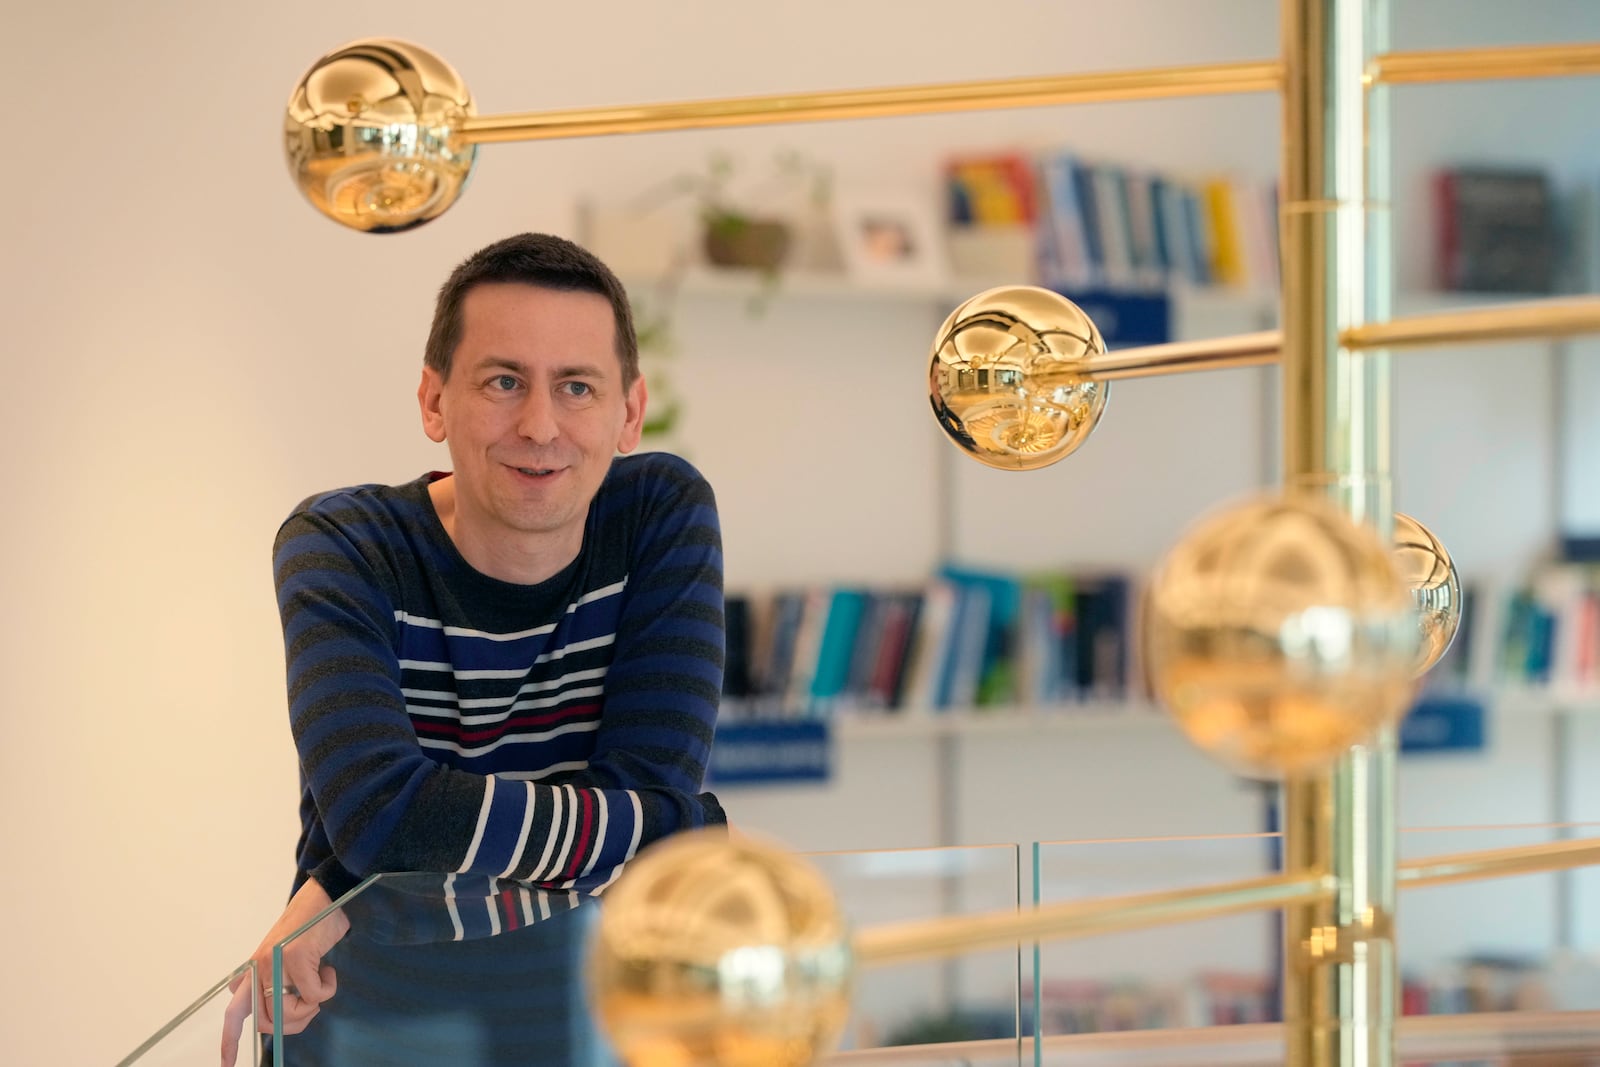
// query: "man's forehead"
[[513, 309]]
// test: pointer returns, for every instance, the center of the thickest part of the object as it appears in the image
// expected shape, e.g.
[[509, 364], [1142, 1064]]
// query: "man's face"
[[533, 411]]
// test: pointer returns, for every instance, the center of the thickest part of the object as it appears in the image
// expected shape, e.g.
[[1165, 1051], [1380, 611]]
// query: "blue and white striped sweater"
[[447, 721]]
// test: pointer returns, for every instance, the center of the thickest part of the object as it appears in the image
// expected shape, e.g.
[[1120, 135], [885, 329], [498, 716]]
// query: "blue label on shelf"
[[747, 753], [1443, 724], [1125, 319]]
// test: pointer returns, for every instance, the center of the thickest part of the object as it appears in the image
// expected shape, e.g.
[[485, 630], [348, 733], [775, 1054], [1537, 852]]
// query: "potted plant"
[[737, 230], [740, 230]]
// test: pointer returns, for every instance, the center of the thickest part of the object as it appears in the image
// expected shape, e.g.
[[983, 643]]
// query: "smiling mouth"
[[536, 472]]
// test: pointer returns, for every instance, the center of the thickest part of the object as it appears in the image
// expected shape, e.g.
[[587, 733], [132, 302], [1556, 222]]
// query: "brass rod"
[[951, 935], [1507, 322], [1483, 64], [1499, 862], [1503, 322], [1100, 87], [1240, 350], [1339, 1007], [1149, 84]]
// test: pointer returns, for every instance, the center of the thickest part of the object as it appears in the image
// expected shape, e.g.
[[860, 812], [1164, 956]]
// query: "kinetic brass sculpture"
[[1007, 377], [372, 135], [1280, 632], [721, 950]]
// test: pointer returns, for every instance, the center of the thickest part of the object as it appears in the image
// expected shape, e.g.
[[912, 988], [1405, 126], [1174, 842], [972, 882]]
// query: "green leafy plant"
[[737, 229]]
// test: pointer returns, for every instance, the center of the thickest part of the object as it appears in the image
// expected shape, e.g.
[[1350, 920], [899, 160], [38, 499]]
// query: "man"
[[511, 670]]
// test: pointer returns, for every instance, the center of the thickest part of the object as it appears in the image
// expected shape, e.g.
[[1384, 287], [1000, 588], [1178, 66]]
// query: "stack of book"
[[966, 639], [1100, 225]]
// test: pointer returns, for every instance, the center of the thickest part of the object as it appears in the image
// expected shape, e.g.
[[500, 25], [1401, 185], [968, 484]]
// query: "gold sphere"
[[1005, 378], [1428, 572], [715, 950], [372, 135], [1278, 633]]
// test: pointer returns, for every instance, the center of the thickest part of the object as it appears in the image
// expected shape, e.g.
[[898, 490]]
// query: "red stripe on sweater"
[[455, 732], [585, 845]]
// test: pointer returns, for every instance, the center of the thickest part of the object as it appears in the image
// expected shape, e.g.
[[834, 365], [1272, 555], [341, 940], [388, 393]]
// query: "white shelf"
[[966, 722], [1545, 700], [737, 283], [1134, 714]]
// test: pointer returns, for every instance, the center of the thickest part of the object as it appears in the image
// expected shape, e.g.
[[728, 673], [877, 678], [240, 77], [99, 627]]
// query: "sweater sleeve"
[[664, 685], [383, 804]]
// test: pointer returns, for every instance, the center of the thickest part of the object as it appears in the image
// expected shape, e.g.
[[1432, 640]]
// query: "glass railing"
[[193, 1035], [1525, 948], [971, 998], [1529, 942], [437, 969], [1187, 975]]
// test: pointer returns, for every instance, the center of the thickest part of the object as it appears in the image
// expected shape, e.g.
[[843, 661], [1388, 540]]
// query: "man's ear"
[[633, 426], [430, 398]]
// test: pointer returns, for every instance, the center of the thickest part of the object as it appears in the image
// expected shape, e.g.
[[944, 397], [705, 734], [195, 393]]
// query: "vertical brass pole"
[[1339, 970]]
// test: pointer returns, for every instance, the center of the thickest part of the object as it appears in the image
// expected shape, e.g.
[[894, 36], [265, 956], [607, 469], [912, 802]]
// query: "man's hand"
[[308, 982]]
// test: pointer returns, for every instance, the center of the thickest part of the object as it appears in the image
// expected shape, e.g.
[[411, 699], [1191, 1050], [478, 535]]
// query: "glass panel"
[[972, 998], [1518, 944], [1521, 1039], [1210, 972], [1502, 944], [190, 1039], [435, 969]]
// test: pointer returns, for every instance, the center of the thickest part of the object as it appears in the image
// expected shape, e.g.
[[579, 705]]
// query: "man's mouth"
[[536, 472]]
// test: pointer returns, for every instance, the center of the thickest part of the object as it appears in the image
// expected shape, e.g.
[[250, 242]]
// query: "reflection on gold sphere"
[[1427, 571], [371, 135], [1278, 633], [719, 951], [1005, 377]]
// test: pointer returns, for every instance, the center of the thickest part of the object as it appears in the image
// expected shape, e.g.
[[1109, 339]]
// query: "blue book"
[[837, 648], [1083, 181], [988, 622]]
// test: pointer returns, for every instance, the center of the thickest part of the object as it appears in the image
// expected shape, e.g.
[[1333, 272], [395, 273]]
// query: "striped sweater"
[[447, 721]]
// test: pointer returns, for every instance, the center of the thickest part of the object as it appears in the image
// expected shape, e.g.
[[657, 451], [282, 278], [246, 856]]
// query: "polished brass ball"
[[1278, 633], [1428, 572], [716, 950], [372, 135], [1006, 377]]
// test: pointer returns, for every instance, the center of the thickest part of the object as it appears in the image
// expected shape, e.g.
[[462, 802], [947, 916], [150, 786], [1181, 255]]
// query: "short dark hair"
[[538, 259]]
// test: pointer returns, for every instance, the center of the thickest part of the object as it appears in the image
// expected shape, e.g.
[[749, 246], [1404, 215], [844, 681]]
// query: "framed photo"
[[891, 238]]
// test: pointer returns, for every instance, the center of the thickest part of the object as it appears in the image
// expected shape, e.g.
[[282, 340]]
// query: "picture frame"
[[891, 238]]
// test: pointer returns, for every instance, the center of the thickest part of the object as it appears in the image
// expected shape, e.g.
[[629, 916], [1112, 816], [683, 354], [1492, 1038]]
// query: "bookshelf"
[[807, 285], [903, 502]]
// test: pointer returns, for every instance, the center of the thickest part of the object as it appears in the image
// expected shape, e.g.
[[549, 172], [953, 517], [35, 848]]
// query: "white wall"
[[191, 349]]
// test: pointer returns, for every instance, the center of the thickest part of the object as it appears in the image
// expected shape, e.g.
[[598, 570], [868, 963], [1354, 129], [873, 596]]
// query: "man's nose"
[[538, 419]]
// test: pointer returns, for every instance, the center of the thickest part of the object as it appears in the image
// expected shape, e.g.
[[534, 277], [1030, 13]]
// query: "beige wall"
[[190, 350]]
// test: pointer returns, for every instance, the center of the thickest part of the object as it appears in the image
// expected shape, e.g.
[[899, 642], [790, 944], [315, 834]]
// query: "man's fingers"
[[296, 1024], [305, 977], [297, 1011], [330, 981], [233, 1022]]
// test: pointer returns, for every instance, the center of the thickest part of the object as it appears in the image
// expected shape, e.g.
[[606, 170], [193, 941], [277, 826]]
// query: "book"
[[1495, 230]]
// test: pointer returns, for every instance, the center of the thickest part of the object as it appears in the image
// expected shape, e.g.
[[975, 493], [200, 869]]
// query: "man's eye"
[[505, 382], [577, 388]]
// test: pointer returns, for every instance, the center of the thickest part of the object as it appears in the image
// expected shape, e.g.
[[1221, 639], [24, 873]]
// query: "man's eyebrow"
[[580, 370], [499, 361], [571, 370]]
